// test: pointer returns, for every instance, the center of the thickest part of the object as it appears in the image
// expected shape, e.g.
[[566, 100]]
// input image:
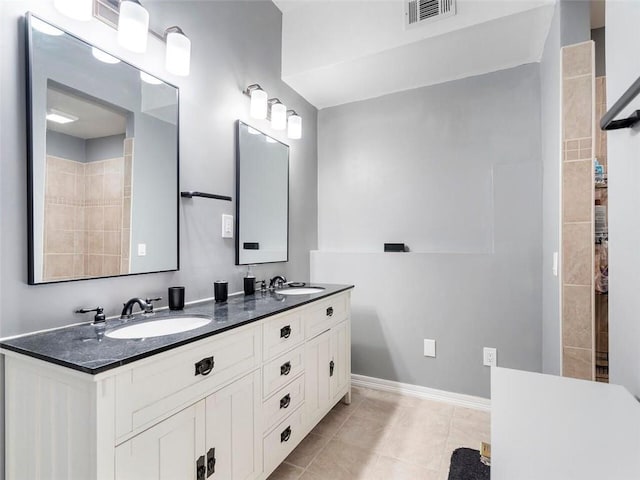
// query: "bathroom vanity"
[[229, 400]]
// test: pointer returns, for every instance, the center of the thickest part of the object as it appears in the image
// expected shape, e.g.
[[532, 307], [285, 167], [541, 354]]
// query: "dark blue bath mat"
[[466, 465]]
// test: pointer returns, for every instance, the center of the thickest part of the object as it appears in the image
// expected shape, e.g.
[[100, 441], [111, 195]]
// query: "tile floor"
[[385, 436]]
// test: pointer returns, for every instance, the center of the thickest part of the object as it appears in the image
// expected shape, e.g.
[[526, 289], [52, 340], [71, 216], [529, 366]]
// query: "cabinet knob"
[[285, 332], [330, 312], [331, 367], [285, 368], [204, 366], [285, 435], [285, 401]]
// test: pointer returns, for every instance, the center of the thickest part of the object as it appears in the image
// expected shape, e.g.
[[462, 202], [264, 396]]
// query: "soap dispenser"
[[249, 282]]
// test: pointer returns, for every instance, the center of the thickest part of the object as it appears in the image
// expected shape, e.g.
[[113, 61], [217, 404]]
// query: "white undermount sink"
[[159, 327], [299, 290]]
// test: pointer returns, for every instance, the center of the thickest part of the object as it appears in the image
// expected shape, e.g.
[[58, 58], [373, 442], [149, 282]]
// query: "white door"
[[233, 431], [339, 362], [172, 449], [317, 391]]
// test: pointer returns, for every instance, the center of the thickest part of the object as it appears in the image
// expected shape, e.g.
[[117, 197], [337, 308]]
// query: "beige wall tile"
[[577, 253], [577, 317], [61, 185], [94, 265], [113, 218], [112, 242], [79, 242], [577, 191], [111, 265], [577, 59], [124, 266], [577, 108], [59, 241], [58, 266], [94, 188], [79, 213], [94, 168], [128, 146], [113, 186], [577, 363], [126, 213], [94, 219], [126, 242], [114, 165], [95, 243], [59, 217], [128, 162], [78, 266]]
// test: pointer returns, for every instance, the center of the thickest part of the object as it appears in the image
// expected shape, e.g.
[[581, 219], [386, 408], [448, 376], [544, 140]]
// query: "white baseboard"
[[459, 399]]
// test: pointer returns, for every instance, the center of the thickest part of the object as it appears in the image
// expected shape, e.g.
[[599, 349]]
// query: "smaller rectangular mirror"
[[262, 198]]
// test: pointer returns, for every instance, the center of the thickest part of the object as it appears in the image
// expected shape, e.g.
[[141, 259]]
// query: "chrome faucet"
[[145, 305], [277, 282]]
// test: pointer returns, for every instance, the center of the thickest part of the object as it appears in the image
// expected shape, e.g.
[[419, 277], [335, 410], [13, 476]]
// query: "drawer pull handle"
[[330, 312], [285, 401], [331, 367], [211, 462], [200, 468], [205, 366], [285, 332], [286, 435], [285, 369]]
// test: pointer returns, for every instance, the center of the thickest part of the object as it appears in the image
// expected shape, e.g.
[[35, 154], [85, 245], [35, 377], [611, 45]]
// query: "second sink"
[[159, 327]]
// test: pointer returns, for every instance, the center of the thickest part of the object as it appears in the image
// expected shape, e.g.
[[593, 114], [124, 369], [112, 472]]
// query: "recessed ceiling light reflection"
[[271, 140], [103, 56], [57, 116], [253, 131], [45, 28], [145, 77]]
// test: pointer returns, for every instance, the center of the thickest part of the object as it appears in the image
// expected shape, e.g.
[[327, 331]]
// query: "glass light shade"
[[77, 9], [178, 54], [150, 79], [133, 26], [278, 116], [45, 28], [258, 107], [294, 127], [103, 56]]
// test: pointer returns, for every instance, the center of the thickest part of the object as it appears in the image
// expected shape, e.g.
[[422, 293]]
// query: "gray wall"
[[66, 146], [454, 171], [104, 148], [576, 21], [598, 36]]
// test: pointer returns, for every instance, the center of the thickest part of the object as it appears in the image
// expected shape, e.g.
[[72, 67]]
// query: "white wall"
[[454, 171], [623, 68]]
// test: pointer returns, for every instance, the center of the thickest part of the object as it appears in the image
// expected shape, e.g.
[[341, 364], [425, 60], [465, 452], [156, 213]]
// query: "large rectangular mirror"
[[262, 198], [103, 162]]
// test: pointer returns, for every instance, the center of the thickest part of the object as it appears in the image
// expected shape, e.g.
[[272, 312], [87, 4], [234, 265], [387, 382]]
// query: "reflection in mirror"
[[262, 198], [103, 171]]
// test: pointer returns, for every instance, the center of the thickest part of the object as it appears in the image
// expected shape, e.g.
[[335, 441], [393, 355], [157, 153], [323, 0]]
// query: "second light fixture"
[[274, 110]]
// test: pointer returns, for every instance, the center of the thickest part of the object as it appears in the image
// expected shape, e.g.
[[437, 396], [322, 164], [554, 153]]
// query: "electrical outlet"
[[490, 357], [429, 347], [142, 249]]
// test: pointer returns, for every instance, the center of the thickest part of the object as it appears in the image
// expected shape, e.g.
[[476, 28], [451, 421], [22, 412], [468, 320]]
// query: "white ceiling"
[[340, 51]]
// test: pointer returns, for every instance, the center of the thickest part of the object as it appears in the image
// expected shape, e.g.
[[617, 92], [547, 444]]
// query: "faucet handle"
[[149, 301], [99, 317]]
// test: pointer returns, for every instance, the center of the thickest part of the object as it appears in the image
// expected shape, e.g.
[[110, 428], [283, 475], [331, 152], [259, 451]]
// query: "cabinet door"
[[233, 430], [339, 363], [317, 390], [167, 451]]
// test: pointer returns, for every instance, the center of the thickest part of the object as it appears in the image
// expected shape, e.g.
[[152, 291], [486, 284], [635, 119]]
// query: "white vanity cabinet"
[[231, 406]]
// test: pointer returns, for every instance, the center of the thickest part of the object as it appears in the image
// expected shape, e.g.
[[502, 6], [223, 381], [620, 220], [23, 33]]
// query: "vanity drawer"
[[159, 387], [283, 402], [277, 373], [282, 440], [281, 334], [323, 315]]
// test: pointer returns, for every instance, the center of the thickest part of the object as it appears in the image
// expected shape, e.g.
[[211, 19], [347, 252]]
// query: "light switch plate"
[[555, 264], [227, 226], [429, 347], [142, 249]]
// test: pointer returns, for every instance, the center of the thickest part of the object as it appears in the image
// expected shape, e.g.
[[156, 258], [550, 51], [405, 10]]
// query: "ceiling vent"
[[420, 12]]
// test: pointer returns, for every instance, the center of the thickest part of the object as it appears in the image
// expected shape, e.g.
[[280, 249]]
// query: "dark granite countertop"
[[85, 348]]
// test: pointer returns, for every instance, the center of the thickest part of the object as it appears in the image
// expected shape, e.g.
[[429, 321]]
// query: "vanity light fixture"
[[77, 9], [278, 114], [258, 107], [133, 26], [103, 56], [294, 125], [178, 53], [57, 116]]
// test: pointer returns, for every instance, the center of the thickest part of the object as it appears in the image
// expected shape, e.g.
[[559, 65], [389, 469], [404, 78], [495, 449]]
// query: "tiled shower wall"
[[578, 126], [87, 217]]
